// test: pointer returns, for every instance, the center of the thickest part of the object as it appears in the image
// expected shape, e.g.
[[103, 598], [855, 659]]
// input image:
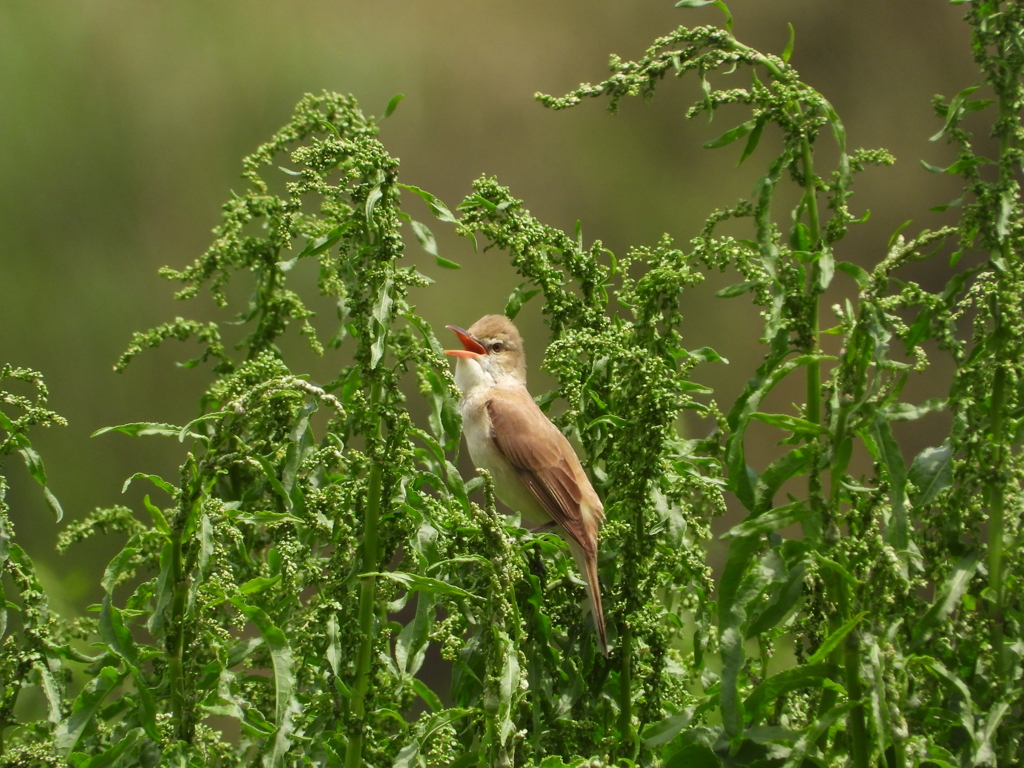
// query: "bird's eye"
[[497, 346]]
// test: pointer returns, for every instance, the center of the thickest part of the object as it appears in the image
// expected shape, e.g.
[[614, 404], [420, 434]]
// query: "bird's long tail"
[[588, 568]]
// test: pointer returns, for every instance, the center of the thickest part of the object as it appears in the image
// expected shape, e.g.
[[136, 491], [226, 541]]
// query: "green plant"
[[320, 542], [35, 642]]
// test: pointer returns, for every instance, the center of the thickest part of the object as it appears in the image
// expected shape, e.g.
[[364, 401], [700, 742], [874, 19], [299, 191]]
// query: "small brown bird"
[[535, 470]]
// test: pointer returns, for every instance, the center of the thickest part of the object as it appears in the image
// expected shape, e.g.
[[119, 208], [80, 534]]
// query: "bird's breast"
[[509, 487]]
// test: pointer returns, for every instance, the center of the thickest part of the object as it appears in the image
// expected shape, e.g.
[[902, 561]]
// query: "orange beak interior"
[[471, 347]]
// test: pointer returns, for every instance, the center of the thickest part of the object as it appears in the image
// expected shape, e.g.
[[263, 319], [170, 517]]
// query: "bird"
[[534, 468]]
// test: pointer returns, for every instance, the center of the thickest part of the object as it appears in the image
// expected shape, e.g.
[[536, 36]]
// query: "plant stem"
[[994, 499], [995, 490], [850, 658], [626, 735], [367, 596], [190, 496], [811, 206]]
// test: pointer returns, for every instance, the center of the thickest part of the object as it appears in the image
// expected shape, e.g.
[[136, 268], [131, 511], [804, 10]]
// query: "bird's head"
[[492, 353]]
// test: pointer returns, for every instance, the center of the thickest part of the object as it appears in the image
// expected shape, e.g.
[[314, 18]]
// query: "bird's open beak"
[[471, 347]]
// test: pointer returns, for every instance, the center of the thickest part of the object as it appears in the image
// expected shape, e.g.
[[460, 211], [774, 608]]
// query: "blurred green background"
[[123, 125]]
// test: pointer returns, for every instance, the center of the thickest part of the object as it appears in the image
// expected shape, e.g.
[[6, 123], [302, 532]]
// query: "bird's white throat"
[[470, 375], [473, 373]]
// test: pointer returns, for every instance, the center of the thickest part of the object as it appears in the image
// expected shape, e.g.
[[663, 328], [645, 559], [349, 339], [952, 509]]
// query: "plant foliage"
[[279, 602]]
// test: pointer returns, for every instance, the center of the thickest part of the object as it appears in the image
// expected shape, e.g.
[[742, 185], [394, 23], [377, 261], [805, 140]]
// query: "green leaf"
[[374, 196], [85, 707], [325, 242], [258, 584], [663, 731], [772, 520], [800, 240], [694, 756], [731, 135], [407, 756], [959, 107], [159, 519], [163, 592], [898, 232], [910, 412], [762, 699], [156, 480], [811, 737], [34, 462], [737, 289], [447, 263], [119, 640], [439, 208], [826, 269], [415, 582], [788, 465], [517, 298], [124, 753], [883, 448], [411, 645], [393, 104], [425, 237], [788, 50], [430, 698], [790, 423], [834, 638], [732, 615], [717, 3], [947, 598], [275, 482], [785, 596], [142, 429], [614, 421], [707, 355], [280, 655], [931, 473], [771, 372], [752, 140]]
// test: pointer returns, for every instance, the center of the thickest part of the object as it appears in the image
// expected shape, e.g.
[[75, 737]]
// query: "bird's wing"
[[547, 465]]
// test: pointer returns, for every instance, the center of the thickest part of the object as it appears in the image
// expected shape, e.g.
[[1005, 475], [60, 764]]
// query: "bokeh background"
[[122, 127]]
